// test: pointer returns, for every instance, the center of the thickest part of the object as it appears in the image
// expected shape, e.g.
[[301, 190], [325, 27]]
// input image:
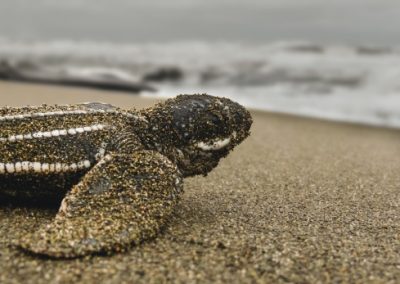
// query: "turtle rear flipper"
[[123, 200]]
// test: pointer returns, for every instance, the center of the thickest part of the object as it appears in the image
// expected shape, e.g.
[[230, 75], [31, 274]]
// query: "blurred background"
[[337, 59]]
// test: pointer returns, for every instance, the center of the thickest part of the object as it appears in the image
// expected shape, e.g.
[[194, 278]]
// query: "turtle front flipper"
[[123, 200]]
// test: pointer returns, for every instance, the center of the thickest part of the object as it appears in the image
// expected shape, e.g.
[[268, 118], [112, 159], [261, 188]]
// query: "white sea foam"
[[346, 83]]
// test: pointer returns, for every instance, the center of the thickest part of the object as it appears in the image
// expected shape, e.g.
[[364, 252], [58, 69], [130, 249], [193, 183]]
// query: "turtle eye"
[[215, 120], [187, 136]]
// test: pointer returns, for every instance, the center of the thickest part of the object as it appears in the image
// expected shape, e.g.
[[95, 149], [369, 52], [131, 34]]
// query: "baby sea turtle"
[[118, 172]]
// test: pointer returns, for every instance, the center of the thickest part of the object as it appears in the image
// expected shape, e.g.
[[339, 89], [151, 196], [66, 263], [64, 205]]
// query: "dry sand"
[[301, 200]]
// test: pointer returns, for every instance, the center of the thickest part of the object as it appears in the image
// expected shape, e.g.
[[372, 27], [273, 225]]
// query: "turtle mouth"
[[217, 144]]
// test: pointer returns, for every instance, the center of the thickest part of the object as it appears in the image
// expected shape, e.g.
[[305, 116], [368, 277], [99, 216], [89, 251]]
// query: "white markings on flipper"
[[53, 133], [37, 167]]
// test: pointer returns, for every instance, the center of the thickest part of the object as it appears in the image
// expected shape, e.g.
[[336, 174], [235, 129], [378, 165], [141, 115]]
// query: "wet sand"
[[301, 200]]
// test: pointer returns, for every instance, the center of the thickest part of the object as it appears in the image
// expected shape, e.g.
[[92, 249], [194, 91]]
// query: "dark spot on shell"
[[100, 185]]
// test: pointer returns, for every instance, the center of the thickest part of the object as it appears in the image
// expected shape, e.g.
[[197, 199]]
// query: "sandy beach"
[[300, 201]]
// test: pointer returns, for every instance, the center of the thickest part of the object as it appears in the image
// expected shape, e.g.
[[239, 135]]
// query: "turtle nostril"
[[215, 120]]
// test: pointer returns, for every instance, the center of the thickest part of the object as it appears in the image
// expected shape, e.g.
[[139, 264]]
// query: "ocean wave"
[[350, 83]]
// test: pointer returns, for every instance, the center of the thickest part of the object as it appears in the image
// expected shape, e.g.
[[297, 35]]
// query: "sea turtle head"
[[196, 131]]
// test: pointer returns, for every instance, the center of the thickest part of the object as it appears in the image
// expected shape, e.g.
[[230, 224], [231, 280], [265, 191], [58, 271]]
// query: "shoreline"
[[302, 200], [43, 94]]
